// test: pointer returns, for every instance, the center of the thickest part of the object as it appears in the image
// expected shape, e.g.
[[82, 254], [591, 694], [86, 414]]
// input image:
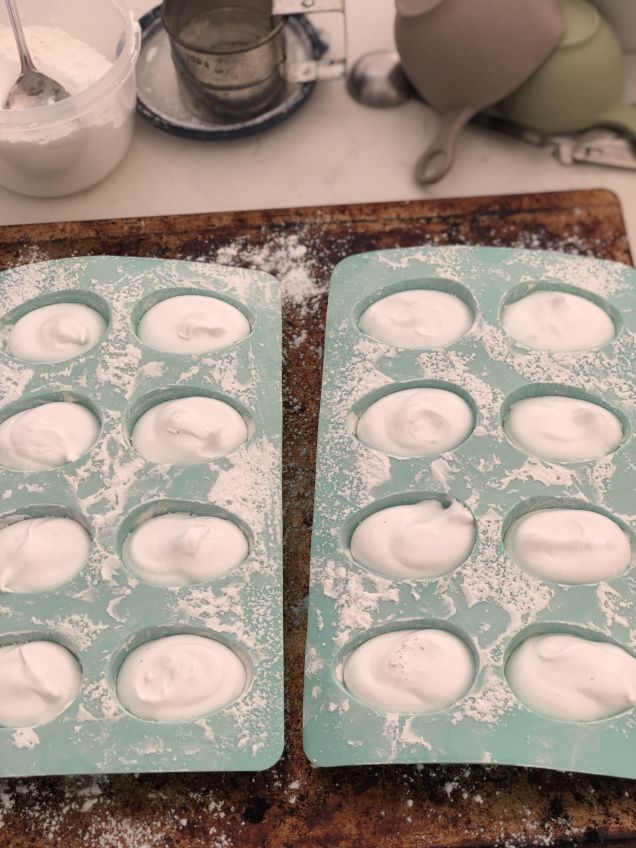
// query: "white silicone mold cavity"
[[416, 419], [179, 675], [418, 314], [411, 670], [562, 424], [183, 544], [567, 541], [411, 537], [190, 322], [187, 426]]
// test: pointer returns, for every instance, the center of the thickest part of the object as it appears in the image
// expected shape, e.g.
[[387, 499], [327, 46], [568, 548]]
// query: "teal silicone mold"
[[488, 601], [105, 612]]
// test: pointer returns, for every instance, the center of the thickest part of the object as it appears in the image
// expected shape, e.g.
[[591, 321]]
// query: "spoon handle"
[[16, 23]]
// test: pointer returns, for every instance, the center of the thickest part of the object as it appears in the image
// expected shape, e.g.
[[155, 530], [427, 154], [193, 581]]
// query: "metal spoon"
[[32, 88], [377, 80]]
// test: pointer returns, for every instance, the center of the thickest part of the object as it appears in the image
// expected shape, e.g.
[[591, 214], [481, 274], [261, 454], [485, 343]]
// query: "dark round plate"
[[158, 98]]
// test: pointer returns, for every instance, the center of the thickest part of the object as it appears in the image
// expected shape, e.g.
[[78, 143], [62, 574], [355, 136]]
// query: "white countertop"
[[332, 151]]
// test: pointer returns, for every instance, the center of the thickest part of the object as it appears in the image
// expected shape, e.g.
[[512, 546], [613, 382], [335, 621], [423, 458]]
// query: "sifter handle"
[[320, 67], [306, 7]]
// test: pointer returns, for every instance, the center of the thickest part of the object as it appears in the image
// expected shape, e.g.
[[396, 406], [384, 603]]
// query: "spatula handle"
[[438, 157]]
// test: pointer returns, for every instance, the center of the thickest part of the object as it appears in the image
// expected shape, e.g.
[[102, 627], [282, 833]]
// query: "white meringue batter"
[[558, 321], [572, 678], [38, 554], [178, 678], [188, 430], [421, 540], [192, 323], [563, 429], [416, 422], [417, 318], [569, 545], [56, 332], [410, 671], [47, 436], [178, 549], [38, 681]]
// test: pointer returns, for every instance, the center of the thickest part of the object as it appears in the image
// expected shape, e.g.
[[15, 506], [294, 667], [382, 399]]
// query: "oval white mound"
[[191, 324], [410, 671], [569, 545], [571, 678], [180, 678], [38, 681], [47, 436], [178, 549], [563, 429], [188, 430], [56, 332], [416, 422], [39, 554], [557, 321], [417, 318], [421, 540]]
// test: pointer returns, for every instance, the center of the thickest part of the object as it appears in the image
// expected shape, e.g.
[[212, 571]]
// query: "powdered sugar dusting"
[[521, 596], [357, 598], [25, 737], [489, 703]]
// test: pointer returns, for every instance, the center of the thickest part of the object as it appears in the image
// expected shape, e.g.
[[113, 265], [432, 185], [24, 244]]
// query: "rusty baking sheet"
[[293, 805]]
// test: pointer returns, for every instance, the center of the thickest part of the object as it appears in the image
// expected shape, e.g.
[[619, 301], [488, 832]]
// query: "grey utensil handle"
[[25, 57], [438, 157]]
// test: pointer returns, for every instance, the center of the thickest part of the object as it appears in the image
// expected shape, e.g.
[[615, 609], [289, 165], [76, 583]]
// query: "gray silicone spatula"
[[460, 56]]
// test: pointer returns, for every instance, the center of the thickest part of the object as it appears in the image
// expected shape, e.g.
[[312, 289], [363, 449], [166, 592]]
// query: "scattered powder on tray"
[[286, 257], [520, 595], [357, 597]]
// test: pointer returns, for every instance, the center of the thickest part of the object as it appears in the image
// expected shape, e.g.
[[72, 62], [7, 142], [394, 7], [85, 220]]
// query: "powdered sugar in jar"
[[90, 47]]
